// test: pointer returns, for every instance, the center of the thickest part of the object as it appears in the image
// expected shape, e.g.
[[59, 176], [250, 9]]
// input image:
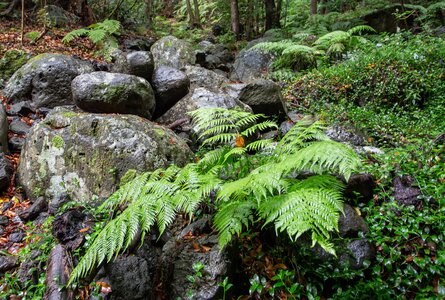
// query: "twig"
[[177, 123]]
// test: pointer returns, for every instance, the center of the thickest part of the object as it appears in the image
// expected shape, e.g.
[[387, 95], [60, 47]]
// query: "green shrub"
[[403, 70]]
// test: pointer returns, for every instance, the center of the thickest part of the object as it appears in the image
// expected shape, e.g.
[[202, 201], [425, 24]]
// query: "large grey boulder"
[[114, 93], [199, 98], [263, 96], [85, 154], [214, 56], [170, 85], [138, 63], [4, 127], [251, 64], [46, 80], [6, 172], [172, 52], [204, 78]]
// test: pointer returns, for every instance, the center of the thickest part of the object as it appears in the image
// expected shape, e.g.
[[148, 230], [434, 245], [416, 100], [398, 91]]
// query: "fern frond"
[[360, 29], [70, 36], [97, 35], [259, 127], [223, 138], [231, 219], [259, 145]]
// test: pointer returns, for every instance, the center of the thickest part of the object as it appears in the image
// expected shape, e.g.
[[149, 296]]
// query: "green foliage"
[[11, 61], [247, 186], [339, 42], [434, 16], [102, 34], [41, 241], [403, 69], [32, 35]]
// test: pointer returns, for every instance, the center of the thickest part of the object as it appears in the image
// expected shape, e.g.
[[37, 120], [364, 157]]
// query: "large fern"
[[249, 185]]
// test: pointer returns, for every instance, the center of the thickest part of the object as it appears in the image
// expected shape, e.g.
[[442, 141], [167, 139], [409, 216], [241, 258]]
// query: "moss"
[[11, 61], [128, 176], [58, 142], [68, 114], [160, 131]]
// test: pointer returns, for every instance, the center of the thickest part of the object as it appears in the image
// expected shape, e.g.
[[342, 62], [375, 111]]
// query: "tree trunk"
[[190, 13], [314, 8], [278, 13], [234, 13], [197, 15], [269, 7], [149, 12], [250, 20], [323, 10]]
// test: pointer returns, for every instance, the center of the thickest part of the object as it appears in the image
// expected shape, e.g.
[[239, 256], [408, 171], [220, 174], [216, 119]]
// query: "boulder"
[[21, 109], [170, 85], [350, 223], [69, 228], [199, 98], [180, 254], [250, 64], [16, 143], [55, 16], [30, 213], [114, 93], [11, 61], [7, 263], [405, 193], [213, 56], [6, 172], [263, 96], [138, 63], [358, 251], [85, 154], [58, 273], [347, 135], [138, 44], [4, 127], [46, 80], [201, 77], [18, 126], [172, 52]]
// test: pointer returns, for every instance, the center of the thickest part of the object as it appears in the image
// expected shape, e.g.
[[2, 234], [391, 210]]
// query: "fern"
[[102, 34], [249, 186]]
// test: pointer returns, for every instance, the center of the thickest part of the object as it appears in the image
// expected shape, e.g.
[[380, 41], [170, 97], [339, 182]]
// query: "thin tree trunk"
[[234, 13], [149, 12], [314, 7], [197, 16], [323, 9], [269, 7], [23, 23], [190, 13], [250, 19], [278, 13]]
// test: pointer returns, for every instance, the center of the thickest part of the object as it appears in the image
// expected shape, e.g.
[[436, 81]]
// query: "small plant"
[[194, 279], [103, 35], [226, 286]]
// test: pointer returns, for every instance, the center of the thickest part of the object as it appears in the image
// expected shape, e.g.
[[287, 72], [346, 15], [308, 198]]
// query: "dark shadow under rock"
[[68, 226]]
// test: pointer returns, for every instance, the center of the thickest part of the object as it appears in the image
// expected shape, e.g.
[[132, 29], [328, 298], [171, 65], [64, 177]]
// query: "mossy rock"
[[11, 61]]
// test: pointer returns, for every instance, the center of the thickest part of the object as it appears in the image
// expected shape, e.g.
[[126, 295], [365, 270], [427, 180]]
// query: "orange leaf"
[[206, 249], [85, 229], [239, 141]]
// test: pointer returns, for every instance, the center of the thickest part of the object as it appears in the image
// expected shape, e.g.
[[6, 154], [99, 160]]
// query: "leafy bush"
[[403, 69], [246, 186], [102, 34]]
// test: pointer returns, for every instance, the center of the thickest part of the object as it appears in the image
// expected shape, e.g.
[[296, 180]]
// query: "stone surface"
[[16, 144], [172, 52], [57, 202], [263, 96], [179, 255], [350, 223], [46, 80], [360, 187], [4, 126], [250, 64], [361, 250], [39, 205], [169, 85], [214, 56], [113, 93], [138, 44], [86, 154], [201, 77], [7, 263], [55, 16], [16, 236], [57, 275], [404, 191], [199, 98], [346, 135], [67, 228], [21, 108], [19, 127], [6, 171], [10, 62], [138, 63]]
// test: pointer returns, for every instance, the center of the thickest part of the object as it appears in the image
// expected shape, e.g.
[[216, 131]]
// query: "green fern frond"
[[232, 218], [259, 127], [97, 35], [75, 34], [259, 145], [360, 29]]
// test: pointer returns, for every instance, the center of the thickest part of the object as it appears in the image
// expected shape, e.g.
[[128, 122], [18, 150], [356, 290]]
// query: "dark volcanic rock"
[[19, 127], [170, 85], [46, 80], [6, 171], [16, 143], [114, 93], [17, 236], [350, 223], [361, 187], [138, 63], [7, 263], [4, 126], [172, 52], [67, 228], [250, 64], [405, 193], [40, 205]]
